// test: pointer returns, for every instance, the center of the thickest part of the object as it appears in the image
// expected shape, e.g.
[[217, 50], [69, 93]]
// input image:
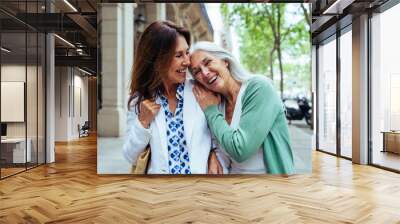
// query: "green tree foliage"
[[274, 38]]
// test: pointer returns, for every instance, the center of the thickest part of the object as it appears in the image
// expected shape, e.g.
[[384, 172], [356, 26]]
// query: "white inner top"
[[254, 164]]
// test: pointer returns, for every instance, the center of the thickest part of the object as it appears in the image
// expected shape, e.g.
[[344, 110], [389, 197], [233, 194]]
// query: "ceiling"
[[330, 15], [73, 20], [78, 24]]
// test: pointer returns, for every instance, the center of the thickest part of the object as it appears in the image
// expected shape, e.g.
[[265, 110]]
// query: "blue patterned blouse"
[[178, 155]]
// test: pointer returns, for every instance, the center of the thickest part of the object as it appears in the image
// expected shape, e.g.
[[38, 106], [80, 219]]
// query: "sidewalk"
[[301, 136], [111, 161], [109, 156]]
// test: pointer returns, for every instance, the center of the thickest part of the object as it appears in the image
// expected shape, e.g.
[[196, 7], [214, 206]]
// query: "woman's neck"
[[170, 89], [232, 91], [170, 93]]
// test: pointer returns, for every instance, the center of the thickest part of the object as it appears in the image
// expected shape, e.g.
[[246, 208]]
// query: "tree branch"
[[306, 14]]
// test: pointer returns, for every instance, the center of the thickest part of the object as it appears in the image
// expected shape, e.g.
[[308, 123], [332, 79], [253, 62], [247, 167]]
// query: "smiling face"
[[179, 64], [210, 71]]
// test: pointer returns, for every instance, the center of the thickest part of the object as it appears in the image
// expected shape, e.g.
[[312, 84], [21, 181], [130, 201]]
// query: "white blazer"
[[197, 135]]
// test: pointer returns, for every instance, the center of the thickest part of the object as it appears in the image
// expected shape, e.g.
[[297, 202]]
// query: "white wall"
[[33, 126], [61, 103], [70, 84], [12, 73], [79, 117]]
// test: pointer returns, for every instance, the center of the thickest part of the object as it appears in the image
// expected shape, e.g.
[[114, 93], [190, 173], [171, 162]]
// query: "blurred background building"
[[121, 25]]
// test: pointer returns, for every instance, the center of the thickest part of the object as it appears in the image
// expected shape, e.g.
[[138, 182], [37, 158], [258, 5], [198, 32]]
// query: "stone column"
[[155, 11], [161, 11], [128, 48], [116, 60]]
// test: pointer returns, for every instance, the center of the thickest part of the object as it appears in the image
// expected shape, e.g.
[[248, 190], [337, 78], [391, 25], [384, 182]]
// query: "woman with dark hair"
[[163, 112]]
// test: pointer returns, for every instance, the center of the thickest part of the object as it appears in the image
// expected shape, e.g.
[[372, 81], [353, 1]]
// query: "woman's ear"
[[226, 62]]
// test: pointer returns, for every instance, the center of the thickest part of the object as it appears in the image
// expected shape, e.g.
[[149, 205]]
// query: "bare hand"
[[214, 167], [148, 110], [205, 97]]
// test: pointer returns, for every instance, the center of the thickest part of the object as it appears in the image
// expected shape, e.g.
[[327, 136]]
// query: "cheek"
[[203, 82], [224, 72], [172, 69], [176, 63], [215, 68], [172, 75], [200, 79]]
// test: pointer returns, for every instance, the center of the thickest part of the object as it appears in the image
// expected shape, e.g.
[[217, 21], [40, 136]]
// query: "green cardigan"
[[262, 123]]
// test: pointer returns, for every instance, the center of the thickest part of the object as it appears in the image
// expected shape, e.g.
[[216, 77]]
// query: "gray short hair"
[[236, 69]]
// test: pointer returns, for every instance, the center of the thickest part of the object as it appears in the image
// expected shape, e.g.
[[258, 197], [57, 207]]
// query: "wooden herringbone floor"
[[70, 191]]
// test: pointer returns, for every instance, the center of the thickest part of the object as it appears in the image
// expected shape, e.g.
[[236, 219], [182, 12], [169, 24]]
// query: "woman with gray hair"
[[244, 113]]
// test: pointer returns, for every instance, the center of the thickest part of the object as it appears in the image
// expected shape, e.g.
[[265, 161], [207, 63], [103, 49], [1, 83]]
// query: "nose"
[[204, 70], [186, 60]]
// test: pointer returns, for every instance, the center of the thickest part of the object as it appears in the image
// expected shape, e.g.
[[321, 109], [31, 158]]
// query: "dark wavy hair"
[[153, 56]]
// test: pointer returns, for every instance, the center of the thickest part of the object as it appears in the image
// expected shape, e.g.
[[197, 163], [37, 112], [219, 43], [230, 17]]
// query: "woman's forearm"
[[260, 108]]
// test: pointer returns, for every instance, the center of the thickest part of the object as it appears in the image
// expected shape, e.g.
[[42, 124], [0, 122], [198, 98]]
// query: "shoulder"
[[260, 91], [259, 82], [259, 86]]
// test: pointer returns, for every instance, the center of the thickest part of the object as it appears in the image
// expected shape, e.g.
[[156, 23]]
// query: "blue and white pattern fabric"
[[178, 155]]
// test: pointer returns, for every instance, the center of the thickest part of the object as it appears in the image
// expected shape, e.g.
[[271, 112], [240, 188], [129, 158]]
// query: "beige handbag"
[[142, 162]]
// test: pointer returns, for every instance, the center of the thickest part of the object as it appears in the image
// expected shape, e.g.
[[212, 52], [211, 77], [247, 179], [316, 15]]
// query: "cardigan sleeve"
[[260, 108]]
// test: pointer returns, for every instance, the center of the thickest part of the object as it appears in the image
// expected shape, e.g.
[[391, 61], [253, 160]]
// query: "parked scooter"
[[298, 109]]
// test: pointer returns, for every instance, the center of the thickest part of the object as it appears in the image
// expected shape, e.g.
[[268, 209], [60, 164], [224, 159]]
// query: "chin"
[[181, 78], [179, 81], [218, 87], [215, 89]]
